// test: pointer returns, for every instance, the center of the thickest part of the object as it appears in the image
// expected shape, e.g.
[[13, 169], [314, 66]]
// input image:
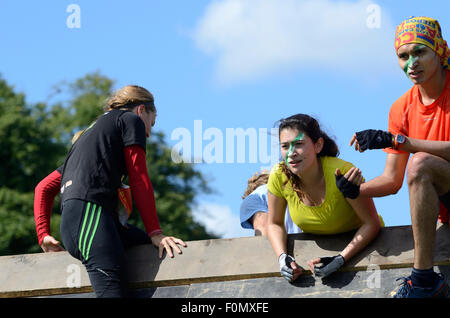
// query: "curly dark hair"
[[310, 126]]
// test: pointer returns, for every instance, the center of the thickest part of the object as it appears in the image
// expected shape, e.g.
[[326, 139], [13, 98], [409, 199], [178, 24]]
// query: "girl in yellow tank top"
[[306, 182]]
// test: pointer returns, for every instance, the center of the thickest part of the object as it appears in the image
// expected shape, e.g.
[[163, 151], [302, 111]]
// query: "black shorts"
[[96, 238]]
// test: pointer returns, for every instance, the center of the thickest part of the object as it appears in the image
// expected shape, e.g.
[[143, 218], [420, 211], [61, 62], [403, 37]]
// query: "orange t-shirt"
[[409, 117]]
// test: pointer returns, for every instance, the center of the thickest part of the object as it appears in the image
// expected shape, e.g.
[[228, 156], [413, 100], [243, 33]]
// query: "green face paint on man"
[[413, 58], [291, 147]]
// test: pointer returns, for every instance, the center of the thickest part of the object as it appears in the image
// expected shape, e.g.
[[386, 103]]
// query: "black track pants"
[[98, 240]]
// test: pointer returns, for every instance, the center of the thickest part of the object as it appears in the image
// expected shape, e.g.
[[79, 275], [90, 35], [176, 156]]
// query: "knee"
[[419, 167]]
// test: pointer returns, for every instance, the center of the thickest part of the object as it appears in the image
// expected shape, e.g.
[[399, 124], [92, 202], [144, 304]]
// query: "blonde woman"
[[109, 149]]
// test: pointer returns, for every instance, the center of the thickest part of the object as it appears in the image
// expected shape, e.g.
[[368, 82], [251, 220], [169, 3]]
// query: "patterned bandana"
[[426, 31]]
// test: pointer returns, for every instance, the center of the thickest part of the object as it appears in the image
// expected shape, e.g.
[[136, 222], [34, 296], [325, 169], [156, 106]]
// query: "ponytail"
[[329, 148], [130, 96]]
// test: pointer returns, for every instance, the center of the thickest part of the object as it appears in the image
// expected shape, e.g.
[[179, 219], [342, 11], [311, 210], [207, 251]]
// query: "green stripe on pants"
[[93, 232], [91, 217], [86, 238], [86, 213]]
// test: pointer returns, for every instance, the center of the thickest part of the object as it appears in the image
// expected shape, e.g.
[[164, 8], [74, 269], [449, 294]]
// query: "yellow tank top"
[[334, 215]]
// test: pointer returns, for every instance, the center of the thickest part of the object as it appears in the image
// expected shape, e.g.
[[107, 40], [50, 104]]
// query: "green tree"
[[17, 228], [175, 186], [27, 150], [27, 153], [34, 140], [82, 102]]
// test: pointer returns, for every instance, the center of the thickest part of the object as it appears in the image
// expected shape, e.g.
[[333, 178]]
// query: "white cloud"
[[252, 38], [219, 220]]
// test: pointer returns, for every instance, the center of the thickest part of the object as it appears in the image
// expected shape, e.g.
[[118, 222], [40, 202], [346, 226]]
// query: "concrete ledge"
[[211, 261]]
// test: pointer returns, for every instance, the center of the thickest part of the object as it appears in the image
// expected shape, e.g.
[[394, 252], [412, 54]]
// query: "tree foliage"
[[27, 151], [34, 140]]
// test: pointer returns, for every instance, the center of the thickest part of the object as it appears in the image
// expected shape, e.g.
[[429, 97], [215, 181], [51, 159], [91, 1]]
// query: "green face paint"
[[291, 147], [412, 59], [408, 64]]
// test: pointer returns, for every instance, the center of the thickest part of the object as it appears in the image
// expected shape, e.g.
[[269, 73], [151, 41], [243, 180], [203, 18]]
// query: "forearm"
[[142, 188], [365, 234], [390, 181], [144, 199], [370, 226], [437, 148], [42, 212], [276, 230], [44, 195], [278, 238], [379, 187]]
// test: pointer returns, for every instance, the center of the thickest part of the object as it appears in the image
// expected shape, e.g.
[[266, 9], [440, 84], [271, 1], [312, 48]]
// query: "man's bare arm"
[[390, 181], [437, 148]]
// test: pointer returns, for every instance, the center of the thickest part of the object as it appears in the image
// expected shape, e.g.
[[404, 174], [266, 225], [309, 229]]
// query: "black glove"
[[374, 139], [329, 265], [348, 189]]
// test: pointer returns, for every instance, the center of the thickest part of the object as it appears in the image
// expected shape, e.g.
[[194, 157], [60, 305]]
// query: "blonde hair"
[[130, 96], [77, 135], [258, 179]]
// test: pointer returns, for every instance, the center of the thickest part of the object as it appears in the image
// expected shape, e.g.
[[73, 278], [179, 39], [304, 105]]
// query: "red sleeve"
[[444, 214], [141, 188], [44, 196]]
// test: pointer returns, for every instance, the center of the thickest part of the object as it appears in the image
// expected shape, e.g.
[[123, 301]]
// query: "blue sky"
[[229, 64]]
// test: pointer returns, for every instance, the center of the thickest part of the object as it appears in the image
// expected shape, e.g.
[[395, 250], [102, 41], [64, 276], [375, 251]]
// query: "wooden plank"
[[392, 248], [210, 261], [202, 261], [40, 274]]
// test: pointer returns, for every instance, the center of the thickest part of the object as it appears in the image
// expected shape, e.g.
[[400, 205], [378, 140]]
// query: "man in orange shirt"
[[419, 124]]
